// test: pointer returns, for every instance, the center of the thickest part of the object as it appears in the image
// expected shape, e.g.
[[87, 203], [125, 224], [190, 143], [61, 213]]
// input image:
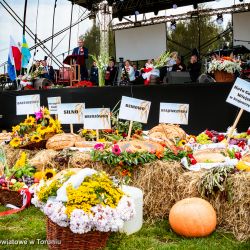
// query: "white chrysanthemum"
[[80, 222]]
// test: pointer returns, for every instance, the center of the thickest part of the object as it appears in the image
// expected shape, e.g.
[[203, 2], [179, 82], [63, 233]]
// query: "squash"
[[193, 217]]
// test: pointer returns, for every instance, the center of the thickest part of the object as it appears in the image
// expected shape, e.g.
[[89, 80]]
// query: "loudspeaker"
[[204, 78], [178, 77], [42, 82]]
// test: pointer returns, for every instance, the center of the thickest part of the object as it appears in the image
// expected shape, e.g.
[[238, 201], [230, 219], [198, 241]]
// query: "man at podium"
[[83, 53]]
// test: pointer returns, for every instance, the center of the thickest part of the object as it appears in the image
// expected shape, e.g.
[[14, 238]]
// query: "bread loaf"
[[61, 141]]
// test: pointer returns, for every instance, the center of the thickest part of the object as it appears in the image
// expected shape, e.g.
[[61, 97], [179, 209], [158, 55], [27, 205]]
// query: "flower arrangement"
[[126, 161], [82, 84], [35, 129], [162, 59], [95, 204], [102, 63], [224, 64]]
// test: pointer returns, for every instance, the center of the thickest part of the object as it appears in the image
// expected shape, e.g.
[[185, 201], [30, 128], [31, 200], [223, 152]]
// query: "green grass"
[[30, 225]]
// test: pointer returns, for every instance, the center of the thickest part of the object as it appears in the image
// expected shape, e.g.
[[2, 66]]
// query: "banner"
[[240, 94], [27, 104], [174, 113], [97, 118], [52, 104], [133, 109], [71, 113]]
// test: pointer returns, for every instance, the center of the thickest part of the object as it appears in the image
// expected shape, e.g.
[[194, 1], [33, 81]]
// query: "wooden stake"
[[56, 116], [130, 130], [234, 125], [97, 135], [27, 116], [71, 129]]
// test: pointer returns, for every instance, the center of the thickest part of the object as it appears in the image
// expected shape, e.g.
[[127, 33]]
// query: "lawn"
[[29, 225]]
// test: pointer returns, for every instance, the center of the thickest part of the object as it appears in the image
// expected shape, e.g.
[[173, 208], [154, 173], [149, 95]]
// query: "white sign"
[[134, 109], [71, 113], [52, 104], [240, 94], [27, 104], [174, 113], [98, 118]]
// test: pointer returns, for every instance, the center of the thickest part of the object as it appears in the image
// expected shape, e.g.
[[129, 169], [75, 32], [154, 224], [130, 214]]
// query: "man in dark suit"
[[83, 53], [194, 68]]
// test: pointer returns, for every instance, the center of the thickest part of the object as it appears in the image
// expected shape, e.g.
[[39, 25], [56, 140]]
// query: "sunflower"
[[36, 138], [16, 129], [30, 120], [41, 130], [84, 131], [93, 132], [15, 142], [49, 173], [39, 175]]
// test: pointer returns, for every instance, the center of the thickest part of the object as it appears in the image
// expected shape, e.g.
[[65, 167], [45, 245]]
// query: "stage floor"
[[208, 107]]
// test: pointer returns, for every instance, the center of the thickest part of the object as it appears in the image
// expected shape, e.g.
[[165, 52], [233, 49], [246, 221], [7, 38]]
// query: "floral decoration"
[[96, 204], [35, 129], [224, 64]]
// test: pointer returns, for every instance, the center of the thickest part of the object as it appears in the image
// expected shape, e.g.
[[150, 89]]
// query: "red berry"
[[248, 131], [209, 134], [237, 155], [220, 138]]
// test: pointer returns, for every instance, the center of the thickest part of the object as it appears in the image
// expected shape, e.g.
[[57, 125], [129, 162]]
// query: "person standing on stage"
[[84, 53], [194, 68]]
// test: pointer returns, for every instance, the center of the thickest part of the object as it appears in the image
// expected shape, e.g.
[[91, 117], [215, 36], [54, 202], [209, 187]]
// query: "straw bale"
[[158, 182], [43, 159]]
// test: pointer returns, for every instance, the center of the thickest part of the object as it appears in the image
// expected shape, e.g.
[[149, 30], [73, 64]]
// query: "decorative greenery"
[[163, 58], [214, 180]]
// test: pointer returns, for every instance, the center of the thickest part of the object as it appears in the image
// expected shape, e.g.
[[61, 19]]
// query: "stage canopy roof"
[[128, 7]]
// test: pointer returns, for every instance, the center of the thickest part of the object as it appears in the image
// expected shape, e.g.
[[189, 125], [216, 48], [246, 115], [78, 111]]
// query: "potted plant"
[[224, 69]]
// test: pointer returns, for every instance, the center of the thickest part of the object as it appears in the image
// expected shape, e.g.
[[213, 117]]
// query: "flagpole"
[[24, 24]]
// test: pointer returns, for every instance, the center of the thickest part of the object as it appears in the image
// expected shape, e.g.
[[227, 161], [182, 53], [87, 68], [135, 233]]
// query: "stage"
[[208, 108]]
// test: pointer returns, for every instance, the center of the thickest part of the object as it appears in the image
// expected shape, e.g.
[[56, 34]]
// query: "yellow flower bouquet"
[[35, 131]]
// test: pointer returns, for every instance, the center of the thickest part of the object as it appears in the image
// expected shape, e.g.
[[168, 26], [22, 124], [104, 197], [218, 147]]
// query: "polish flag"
[[15, 54]]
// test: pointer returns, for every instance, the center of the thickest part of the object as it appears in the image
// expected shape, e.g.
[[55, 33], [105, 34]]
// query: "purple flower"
[[116, 149], [39, 115], [99, 146]]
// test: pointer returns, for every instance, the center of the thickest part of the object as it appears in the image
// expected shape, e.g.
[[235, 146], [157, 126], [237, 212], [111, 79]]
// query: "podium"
[[75, 62]]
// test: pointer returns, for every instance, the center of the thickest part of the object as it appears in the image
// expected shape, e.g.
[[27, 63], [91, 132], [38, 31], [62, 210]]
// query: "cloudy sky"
[[8, 25]]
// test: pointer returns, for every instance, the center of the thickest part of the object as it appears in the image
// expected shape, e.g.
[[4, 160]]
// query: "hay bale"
[[13, 154], [233, 215], [79, 160], [158, 182], [43, 159]]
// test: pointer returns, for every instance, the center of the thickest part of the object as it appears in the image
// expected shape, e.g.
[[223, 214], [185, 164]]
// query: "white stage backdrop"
[[241, 28], [141, 43]]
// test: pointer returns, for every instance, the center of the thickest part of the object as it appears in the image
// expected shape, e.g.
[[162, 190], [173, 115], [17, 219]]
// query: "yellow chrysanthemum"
[[30, 120], [21, 161], [93, 132], [35, 138], [16, 129], [49, 173], [15, 142], [102, 140]]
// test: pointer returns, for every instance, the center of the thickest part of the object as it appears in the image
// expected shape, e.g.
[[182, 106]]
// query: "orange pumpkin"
[[193, 217]]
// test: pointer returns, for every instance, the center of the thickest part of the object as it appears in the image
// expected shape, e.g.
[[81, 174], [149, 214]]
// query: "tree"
[[199, 32], [92, 42]]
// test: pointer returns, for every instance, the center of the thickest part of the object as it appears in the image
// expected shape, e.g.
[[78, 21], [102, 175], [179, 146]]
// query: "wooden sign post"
[[97, 118], [133, 109], [71, 113]]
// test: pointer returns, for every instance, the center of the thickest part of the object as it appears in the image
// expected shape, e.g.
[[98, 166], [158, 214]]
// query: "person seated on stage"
[[137, 72], [94, 74], [179, 66], [47, 71], [111, 73], [194, 68], [81, 51], [169, 65], [128, 73], [34, 66]]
